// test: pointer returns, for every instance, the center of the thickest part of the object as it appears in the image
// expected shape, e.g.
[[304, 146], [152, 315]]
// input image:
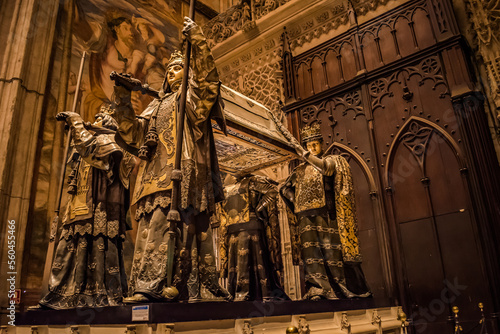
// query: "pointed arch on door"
[[414, 120]]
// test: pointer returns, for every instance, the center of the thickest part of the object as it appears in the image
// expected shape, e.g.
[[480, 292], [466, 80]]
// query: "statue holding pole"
[[178, 179], [87, 269]]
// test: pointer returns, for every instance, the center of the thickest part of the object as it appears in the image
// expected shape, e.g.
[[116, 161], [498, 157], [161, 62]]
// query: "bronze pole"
[[55, 222], [174, 216]]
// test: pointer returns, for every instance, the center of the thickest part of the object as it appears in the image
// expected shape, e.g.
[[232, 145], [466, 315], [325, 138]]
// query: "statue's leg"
[[68, 261], [149, 268], [184, 269], [333, 255], [206, 264], [193, 284], [314, 241], [232, 264], [243, 270]]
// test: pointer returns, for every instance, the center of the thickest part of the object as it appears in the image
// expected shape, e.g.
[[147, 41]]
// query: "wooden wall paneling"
[[304, 84], [404, 177], [457, 236], [483, 175], [463, 266], [423, 28], [443, 170], [389, 244], [484, 183], [387, 44], [425, 277], [319, 83], [348, 61], [371, 51], [333, 69], [442, 18], [404, 35]]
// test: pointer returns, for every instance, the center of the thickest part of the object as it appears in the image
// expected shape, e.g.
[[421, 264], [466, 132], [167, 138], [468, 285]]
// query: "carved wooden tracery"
[[406, 31], [427, 69], [395, 101]]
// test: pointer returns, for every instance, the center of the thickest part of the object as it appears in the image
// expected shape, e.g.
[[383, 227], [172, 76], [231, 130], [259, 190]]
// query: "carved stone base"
[[377, 321]]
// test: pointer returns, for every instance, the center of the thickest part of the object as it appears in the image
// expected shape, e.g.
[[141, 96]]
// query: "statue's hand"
[[299, 149], [188, 25], [65, 115], [126, 80]]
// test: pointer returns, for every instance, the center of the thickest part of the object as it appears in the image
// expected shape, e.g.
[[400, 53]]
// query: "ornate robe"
[[201, 185], [324, 229], [88, 269], [250, 240]]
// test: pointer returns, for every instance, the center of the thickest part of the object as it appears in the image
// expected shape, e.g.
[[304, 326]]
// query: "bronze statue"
[[152, 136], [88, 269], [321, 195], [250, 239]]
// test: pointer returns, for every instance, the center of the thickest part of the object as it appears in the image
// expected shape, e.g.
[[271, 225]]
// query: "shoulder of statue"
[[106, 145], [146, 114]]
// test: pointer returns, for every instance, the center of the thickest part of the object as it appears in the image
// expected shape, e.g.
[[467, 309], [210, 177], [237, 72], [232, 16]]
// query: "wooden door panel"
[[423, 269], [446, 184], [372, 263], [466, 279], [410, 198]]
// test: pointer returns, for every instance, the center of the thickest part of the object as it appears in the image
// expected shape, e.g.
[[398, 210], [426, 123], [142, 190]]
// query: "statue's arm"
[[268, 191], [205, 85], [130, 128], [86, 144]]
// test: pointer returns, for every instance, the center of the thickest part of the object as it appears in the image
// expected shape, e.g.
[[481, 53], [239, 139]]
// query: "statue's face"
[[174, 74], [314, 147]]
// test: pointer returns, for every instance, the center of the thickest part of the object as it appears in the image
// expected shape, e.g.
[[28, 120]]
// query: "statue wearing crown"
[[319, 194], [153, 137]]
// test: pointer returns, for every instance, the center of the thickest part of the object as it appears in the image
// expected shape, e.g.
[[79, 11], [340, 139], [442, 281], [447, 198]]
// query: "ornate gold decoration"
[[485, 18], [310, 193], [311, 132], [176, 58]]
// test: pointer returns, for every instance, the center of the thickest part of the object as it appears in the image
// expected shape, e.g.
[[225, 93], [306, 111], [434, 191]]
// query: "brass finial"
[[481, 306], [402, 316], [455, 310], [292, 330]]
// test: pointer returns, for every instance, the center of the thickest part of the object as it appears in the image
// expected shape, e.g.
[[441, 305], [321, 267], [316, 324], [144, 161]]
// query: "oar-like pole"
[[55, 222], [174, 216]]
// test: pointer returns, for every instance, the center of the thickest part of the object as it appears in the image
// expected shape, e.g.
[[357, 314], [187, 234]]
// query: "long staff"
[[174, 216], [55, 222]]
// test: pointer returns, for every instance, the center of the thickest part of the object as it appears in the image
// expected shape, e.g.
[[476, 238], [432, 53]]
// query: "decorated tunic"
[[201, 185], [324, 228], [250, 240], [88, 269]]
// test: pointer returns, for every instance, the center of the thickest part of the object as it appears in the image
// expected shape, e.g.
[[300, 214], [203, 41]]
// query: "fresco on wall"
[[135, 37]]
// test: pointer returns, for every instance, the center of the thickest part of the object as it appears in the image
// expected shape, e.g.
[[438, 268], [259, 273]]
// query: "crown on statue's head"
[[311, 132], [177, 58]]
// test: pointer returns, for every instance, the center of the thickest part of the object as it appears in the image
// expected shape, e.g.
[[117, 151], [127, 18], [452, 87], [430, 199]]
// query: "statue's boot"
[[136, 299]]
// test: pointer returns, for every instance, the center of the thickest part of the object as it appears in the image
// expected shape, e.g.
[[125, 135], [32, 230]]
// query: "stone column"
[[27, 29]]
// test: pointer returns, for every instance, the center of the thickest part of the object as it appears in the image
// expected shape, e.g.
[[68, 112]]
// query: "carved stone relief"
[[485, 18], [304, 326]]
